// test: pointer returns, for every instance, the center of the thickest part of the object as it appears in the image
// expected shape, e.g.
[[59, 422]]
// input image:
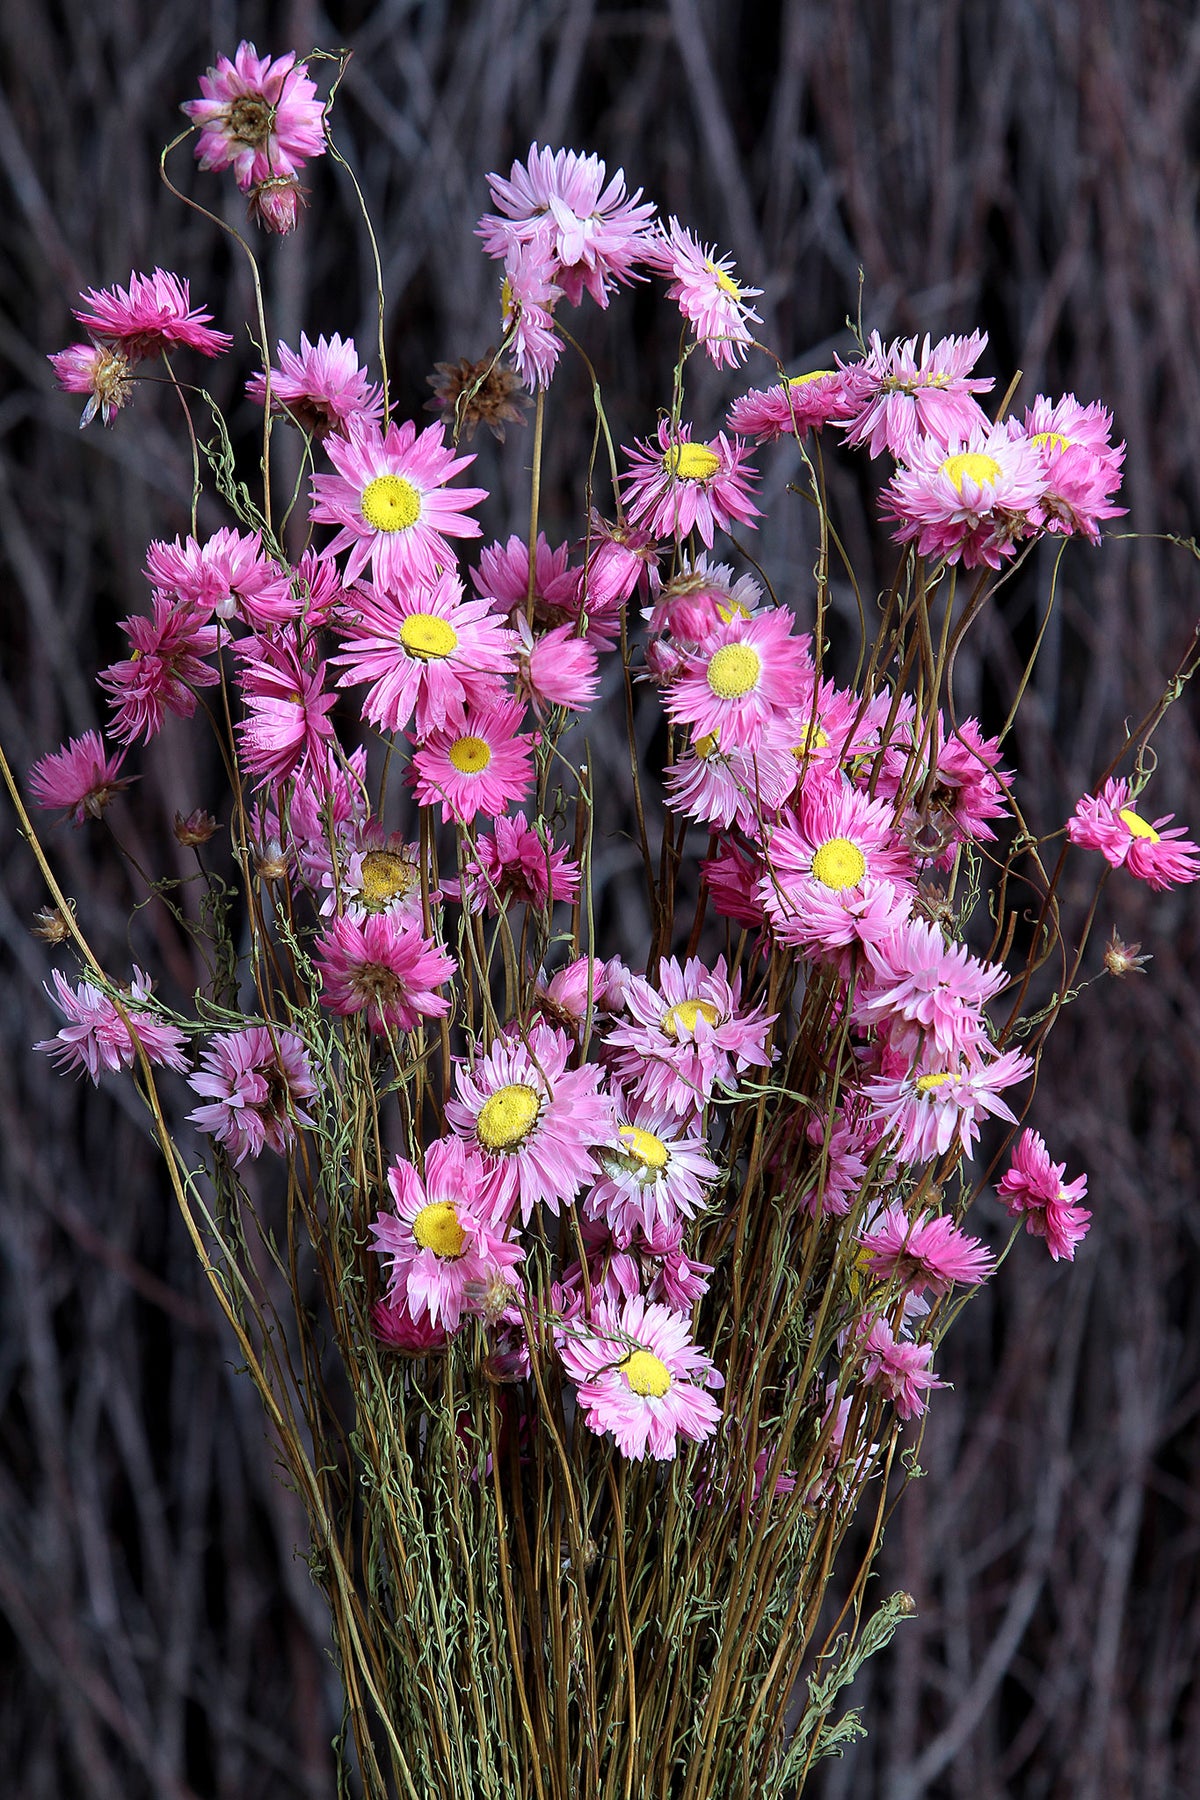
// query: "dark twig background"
[[1028, 166]]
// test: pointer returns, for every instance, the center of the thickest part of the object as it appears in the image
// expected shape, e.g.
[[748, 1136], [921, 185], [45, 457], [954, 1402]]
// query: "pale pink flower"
[[383, 967], [1160, 854], [743, 681], [229, 576], [585, 987], [391, 503], [724, 788], [287, 727], [81, 777], [924, 1111], [528, 295], [96, 1037], [255, 1081], [682, 1041], [321, 388], [515, 863], [101, 371], [478, 762], [939, 988], [675, 487], [702, 285], [163, 671], [591, 232], [154, 314], [907, 392], [638, 1375], [534, 1121], [930, 1252], [900, 1369], [655, 1171], [970, 501], [445, 1239], [1033, 1188], [370, 871], [258, 117], [799, 404]]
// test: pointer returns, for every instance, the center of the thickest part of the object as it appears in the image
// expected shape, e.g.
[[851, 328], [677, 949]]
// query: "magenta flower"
[[1159, 854], [1081, 467], [937, 987], [152, 315], [638, 1374], [590, 233], [502, 578], [321, 388], [229, 576], [255, 1081], [394, 1325], [390, 500], [743, 681], [1033, 1188], [96, 1037], [924, 1111], [80, 777], [675, 487], [837, 850], [735, 787], [555, 668], [930, 1252], [900, 1369], [969, 502], [687, 1038], [446, 1237], [702, 285], [477, 763], [427, 652], [901, 395], [101, 371], [514, 863], [257, 117], [163, 671], [799, 404], [528, 295], [287, 727], [533, 1120], [383, 967]]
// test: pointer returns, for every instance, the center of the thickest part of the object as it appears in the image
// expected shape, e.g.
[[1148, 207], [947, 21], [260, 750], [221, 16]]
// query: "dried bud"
[[51, 924], [275, 204], [195, 829], [1122, 959], [270, 863], [486, 392], [932, 904]]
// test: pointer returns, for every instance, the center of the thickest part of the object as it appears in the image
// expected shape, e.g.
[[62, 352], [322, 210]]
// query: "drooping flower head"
[[930, 1252], [1081, 466], [151, 316], [81, 777], [901, 1370], [97, 1037], [638, 1375], [385, 967], [321, 388], [287, 728], [799, 404], [702, 284], [591, 233], [1160, 854], [258, 117], [254, 1081], [675, 486], [514, 862], [101, 371], [906, 392], [1033, 1188], [161, 674], [228, 576]]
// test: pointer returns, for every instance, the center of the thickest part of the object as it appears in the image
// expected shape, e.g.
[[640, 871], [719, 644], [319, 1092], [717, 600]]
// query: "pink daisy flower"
[[255, 1081], [391, 503], [152, 315], [96, 1037], [620, 559], [699, 598], [656, 1171], [555, 668], [901, 1370], [732, 876], [923, 1111], [275, 204], [229, 576], [904, 394], [590, 231], [737, 787], [322, 388], [372, 872], [528, 295], [1033, 1188], [517, 864], [427, 652], [584, 988], [1158, 854], [799, 404], [970, 501], [385, 968], [258, 117], [287, 726], [533, 1120], [837, 849], [80, 777], [100, 371], [743, 680], [1081, 467], [638, 1375], [476, 763], [675, 487], [502, 578], [938, 988], [163, 671], [682, 1041], [445, 1239], [707, 295], [930, 1252]]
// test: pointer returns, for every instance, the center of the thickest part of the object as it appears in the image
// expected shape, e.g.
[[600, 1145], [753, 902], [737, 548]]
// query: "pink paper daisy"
[[837, 849], [592, 233], [445, 1239], [1081, 467], [517, 864], [743, 681], [229, 576], [707, 295], [740, 787], [502, 578], [682, 1041], [928, 1253], [638, 1375], [799, 404], [427, 652], [100, 371], [80, 777], [619, 560], [394, 1325], [939, 988], [905, 393], [477, 763], [923, 1111], [1159, 854], [969, 502], [533, 1120], [675, 487], [1033, 1188], [152, 315], [287, 727], [96, 1037], [900, 1369], [656, 1171], [528, 296], [698, 599], [555, 668], [321, 388], [391, 503], [258, 117], [374, 872], [385, 968], [255, 1081], [163, 671]]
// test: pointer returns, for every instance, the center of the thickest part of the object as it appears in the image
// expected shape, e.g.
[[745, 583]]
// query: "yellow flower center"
[[1051, 440], [927, 1083], [971, 465], [812, 375], [646, 1374], [735, 610], [389, 503], [436, 1228], [645, 1147], [705, 746], [839, 863], [385, 876], [733, 670], [470, 754], [508, 1116], [425, 635], [1137, 827], [686, 1014], [725, 282], [691, 462], [815, 738]]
